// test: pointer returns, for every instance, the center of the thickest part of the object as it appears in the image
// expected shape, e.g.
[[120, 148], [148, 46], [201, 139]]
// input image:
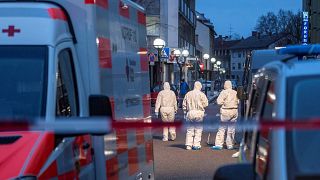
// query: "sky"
[[241, 15]]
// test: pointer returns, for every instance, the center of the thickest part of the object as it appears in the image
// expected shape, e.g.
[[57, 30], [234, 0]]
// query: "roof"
[[219, 43], [206, 21], [258, 41]]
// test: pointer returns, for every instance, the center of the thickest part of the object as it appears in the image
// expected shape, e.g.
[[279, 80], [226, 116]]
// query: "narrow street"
[[173, 161]]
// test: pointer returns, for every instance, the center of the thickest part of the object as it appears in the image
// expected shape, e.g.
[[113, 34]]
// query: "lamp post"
[[206, 57], [218, 64], [213, 60], [185, 54], [159, 44], [177, 54]]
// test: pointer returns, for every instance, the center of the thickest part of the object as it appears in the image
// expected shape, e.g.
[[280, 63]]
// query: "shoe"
[[188, 148], [164, 139], [230, 148], [236, 155], [216, 147], [196, 148]]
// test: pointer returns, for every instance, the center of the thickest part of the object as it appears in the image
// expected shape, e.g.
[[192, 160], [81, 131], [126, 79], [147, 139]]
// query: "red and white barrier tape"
[[105, 125]]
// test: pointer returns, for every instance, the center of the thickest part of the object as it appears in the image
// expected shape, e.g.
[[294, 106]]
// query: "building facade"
[[174, 21], [241, 51], [205, 34], [313, 8], [222, 53]]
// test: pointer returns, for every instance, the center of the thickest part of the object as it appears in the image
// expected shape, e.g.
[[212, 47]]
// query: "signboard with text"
[[305, 28]]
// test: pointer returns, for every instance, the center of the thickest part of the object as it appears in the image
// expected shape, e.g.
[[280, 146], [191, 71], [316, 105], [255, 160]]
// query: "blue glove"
[[157, 114]]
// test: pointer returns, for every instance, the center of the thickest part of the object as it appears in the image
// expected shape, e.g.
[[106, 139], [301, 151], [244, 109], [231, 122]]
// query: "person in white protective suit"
[[229, 102], [166, 103], [194, 104]]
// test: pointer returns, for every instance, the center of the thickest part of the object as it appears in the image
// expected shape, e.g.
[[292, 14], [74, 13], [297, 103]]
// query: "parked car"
[[157, 88]]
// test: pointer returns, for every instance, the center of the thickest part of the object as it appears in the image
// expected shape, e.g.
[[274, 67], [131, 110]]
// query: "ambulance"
[[63, 59]]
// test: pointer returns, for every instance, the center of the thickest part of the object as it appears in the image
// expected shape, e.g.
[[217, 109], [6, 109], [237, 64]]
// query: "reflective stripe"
[[144, 64], [105, 57], [57, 13], [34, 147], [125, 12], [141, 18]]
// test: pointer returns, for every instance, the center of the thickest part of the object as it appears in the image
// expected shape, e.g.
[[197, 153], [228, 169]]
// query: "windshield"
[[304, 144], [23, 77]]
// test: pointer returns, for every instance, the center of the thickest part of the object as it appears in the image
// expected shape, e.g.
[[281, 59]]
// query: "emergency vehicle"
[[283, 92], [68, 58]]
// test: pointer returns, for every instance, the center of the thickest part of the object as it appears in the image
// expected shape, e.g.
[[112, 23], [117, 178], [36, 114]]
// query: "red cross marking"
[[11, 30]]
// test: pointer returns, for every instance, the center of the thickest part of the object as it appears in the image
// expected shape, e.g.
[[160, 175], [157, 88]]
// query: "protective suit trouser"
[[230, 130], [171, 131], [193, 137], [168, 116]]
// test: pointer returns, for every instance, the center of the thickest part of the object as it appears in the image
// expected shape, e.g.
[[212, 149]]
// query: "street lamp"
[[218, 66], [159, 44], [213, 60], [185, 54], [177, 54], [206, 57]]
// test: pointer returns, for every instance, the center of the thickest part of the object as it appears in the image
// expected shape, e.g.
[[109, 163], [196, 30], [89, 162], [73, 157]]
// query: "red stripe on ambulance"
[[133, 161], [122, 141], [149, 151], [41, 154], [102, 3], [51, 172], [57, 13], [125, 12], [141, 18], [144, 64], [112, 166], [105, 59], [146, 105], [140, 136]]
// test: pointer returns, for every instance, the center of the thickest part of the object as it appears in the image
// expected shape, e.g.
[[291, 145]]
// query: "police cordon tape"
[[105, 125]]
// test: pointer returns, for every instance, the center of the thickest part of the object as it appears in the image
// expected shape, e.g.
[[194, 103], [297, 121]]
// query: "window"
[[303, 145], [239, 55], [153, 25], [23, 78], [67, 95], [239, 65], [233, 66]]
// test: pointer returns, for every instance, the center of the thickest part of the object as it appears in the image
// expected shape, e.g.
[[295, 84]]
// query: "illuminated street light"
[[206, 56], [213, 60], [159, 44], [218, 63], [185, 53]]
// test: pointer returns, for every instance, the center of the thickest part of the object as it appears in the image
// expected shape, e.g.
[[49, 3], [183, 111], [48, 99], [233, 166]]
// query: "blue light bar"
[[300, 50]]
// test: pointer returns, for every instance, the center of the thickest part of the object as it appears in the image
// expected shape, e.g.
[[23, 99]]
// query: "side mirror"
[[235, 172], [241, 94], [100, 105]]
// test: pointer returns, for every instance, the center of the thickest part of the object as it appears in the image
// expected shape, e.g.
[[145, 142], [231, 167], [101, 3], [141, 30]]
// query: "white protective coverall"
[[194, 104], [167, 104], [229, 102]]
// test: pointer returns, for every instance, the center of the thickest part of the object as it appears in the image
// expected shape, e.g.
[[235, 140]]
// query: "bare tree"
[[267, 24], [284, 22]]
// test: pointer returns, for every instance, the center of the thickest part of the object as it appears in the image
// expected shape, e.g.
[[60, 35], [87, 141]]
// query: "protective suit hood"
[[227, 85], [197, 86], [166, 86]]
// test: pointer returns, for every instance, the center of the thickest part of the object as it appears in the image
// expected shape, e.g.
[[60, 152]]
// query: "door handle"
[[85, 145]]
